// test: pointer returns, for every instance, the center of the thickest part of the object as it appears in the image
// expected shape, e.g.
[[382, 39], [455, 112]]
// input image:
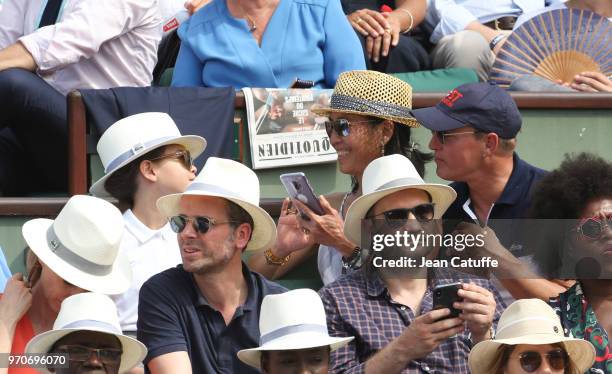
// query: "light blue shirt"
[[306, 39], [447, 17], [5, 272]]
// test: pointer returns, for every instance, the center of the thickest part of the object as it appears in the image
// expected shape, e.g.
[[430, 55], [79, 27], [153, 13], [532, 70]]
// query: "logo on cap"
[[450, 99]]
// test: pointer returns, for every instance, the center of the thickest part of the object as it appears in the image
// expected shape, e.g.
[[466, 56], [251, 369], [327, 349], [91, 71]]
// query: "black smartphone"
[[299, 188], [301, 83], [444, 295]]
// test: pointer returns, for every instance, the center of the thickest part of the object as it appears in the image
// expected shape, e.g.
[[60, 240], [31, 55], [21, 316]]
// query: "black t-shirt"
[[173, 316]]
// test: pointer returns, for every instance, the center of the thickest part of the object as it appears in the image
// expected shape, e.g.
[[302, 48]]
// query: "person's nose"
[[189, 231], [94, 360]]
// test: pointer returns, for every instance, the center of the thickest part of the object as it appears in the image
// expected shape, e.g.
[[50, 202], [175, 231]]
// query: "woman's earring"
[[382, 146]]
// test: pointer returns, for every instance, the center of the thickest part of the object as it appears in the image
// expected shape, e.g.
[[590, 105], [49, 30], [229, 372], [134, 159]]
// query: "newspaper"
[[282, 129]]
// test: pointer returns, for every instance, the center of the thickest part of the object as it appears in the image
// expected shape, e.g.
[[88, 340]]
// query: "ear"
[[491, 143], [388, 127], [147, 170], [242, 235]]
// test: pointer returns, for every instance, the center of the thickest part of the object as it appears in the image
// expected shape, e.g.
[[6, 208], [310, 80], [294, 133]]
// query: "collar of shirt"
[[141, 232], [250, 302]]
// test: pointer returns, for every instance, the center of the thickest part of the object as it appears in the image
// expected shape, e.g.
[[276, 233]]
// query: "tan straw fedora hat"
[[370, 93], [529, 321]]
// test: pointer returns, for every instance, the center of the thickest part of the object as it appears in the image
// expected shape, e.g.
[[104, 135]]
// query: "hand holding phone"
[[299, 188], [444, 295]]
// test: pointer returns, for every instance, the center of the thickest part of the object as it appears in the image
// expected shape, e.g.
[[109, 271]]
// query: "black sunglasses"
[[82, 353], [398, 217], [593, 228], [200, 223], [183, 155], [441, 135], [342, 126], [531, 361]]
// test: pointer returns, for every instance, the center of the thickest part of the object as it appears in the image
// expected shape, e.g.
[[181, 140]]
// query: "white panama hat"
[[384, 176], [89, 312], [529, 321], [233, 181], [82, 245], [133, 136], [291, 320]]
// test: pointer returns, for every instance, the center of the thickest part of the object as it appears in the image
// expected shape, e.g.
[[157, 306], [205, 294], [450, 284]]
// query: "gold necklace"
[[250, 22]]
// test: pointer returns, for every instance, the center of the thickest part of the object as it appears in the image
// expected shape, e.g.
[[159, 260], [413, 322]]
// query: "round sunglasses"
[[592, 228], [530, 360], [201, 224], [398, 217], [342, 126], [184, 156]]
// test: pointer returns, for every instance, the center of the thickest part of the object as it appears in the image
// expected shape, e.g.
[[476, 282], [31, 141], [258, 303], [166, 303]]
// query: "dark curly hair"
[[563, 194]]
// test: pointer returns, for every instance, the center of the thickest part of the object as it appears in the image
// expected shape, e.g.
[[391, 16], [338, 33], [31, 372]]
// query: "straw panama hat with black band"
[[82, 245], [89, 312], [529, 321], [374, 94], [291, 320], [133, 136], [233, 181], [384, 176]]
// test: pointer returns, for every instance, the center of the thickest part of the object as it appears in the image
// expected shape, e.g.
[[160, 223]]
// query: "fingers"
[[376, 49], [17, 277], [592, 82], [369, 47], [303, 208], [285, 207], [327, 208], [386, 42]]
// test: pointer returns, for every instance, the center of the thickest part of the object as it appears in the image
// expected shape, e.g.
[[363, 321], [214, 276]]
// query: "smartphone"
[[444, 295], [301, 83], [299, 188]]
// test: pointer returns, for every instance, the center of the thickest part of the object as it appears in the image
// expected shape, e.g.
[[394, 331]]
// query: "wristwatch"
[[495, 41], [353, 261]]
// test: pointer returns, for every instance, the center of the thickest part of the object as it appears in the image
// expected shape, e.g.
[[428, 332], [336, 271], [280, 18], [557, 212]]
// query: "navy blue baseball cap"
[[484, 106]]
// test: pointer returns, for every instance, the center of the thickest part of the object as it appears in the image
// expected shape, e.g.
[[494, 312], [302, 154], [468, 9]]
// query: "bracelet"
[[495, 41], [411, 20], [272, 259], [352, 262]]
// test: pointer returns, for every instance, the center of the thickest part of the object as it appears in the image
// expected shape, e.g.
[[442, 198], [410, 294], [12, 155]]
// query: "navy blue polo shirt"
[[514, 203], [173, 316]]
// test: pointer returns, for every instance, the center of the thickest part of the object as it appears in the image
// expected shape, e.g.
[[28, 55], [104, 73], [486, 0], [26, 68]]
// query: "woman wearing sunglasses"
[[145, 157], [368, 118], [579, 193], [530, 339]]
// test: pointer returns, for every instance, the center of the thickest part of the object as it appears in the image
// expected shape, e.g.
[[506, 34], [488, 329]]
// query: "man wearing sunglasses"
[[195, 318], [474, 131], [86, 338], [390, 309]]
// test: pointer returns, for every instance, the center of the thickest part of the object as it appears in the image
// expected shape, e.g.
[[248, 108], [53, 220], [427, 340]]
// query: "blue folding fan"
[[556, 45]]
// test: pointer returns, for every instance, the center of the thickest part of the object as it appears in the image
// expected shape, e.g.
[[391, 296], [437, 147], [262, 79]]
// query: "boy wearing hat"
[[145, 157], [294, 337], [390, 310], [87, 331], [77, 251], [197, 316], [474, 131]]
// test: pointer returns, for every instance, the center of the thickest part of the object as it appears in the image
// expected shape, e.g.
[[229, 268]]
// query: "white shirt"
[[149, 252], [94, 44], [447, 17]]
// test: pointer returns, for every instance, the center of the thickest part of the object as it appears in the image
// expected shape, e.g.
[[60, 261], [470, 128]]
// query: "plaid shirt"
[[361, 306]]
